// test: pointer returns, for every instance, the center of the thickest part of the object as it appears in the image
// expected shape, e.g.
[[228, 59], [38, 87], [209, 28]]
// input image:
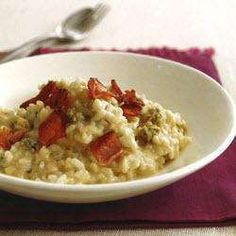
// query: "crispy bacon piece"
[[59, 100], [106, 148], [130, 98], [117, 92], [43, 94], [132, 105], [30, 101], [131, 110], [51, 95], [97, 90], [53, 128], [9, 137]]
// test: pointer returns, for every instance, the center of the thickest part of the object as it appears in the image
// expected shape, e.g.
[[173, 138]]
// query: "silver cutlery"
[[74, 28]]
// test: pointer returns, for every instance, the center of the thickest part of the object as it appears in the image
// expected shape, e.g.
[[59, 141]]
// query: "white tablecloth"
[[211, 231], [134, 23]]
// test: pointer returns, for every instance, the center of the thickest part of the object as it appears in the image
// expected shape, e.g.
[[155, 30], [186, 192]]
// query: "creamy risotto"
[[84, 133]]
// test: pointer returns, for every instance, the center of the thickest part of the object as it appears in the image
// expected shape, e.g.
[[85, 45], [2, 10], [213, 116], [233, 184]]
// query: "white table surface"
[[134, 23]]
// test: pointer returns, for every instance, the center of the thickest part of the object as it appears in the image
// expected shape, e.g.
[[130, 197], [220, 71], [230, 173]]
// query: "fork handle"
[[28, 48]]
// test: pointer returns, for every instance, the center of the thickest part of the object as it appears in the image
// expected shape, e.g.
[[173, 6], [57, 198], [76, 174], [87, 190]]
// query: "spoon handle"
[[29, 47]]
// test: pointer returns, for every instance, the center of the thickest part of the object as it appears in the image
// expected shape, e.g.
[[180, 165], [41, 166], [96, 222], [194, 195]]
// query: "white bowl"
[[205, 105]]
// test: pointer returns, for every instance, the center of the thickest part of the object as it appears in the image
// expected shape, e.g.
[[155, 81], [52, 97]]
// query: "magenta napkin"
[[207, 197]]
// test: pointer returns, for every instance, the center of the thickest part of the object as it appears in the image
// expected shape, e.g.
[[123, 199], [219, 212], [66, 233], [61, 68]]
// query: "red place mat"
[[207, 197]]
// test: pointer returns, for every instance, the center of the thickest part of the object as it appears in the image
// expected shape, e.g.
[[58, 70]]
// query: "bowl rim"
[[147, 181]]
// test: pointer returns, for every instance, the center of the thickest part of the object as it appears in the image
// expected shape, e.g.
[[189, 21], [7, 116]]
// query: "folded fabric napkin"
[[206, 197]]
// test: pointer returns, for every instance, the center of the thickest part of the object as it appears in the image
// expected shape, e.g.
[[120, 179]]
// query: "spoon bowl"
[[77, 26]]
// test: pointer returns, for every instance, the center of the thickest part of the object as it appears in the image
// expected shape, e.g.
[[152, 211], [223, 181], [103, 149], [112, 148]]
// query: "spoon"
[[74, 28]]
